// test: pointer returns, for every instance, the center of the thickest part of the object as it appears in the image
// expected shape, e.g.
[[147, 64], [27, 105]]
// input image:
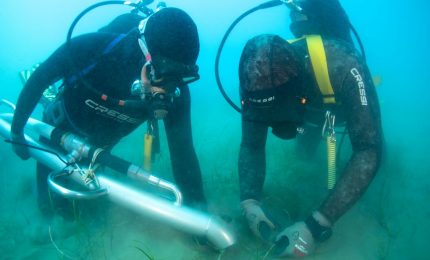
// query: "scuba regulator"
[[160, 99]]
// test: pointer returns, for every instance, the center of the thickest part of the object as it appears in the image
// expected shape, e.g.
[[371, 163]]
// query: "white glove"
[[256, 218], [295, 241]]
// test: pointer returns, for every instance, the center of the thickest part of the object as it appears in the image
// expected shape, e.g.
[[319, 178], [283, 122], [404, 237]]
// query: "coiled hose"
[[331, 161]]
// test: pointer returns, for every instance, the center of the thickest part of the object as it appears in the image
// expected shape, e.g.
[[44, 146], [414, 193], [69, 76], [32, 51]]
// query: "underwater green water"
[[389, 222]]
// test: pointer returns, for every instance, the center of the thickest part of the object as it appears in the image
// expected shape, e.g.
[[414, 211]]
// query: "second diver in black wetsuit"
[[98, 70], [279, 90]]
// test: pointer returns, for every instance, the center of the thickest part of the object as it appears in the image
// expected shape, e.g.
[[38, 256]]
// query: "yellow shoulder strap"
[[319, 65]]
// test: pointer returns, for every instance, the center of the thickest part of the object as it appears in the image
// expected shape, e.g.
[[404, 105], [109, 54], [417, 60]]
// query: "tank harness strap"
[[319, 65], [91, 66], [73, 79]]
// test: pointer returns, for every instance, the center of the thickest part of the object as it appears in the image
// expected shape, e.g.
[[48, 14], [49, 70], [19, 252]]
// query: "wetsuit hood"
[[171, 33], [270, 76]]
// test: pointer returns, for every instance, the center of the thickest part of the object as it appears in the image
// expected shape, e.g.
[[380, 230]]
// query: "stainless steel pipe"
[[143, 203], [73, 142]]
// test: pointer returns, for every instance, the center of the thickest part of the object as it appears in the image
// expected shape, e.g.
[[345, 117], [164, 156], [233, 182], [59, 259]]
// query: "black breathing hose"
[[221, 46], [90, 8], [360, 43]]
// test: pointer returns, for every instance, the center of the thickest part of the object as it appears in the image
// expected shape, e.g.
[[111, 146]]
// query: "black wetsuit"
[[356, 104], [93, 107]]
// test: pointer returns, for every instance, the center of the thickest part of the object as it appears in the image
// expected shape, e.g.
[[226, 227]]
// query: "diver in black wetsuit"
[[279, 90], [96, 102]]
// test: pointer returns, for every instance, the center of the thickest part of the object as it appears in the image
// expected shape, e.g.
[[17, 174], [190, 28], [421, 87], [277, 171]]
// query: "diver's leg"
[[185, 164]]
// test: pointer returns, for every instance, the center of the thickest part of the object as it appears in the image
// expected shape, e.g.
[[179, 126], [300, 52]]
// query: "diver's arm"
[[84, 50], [252, 160], [365, 131], [46, 74], [185, 165]]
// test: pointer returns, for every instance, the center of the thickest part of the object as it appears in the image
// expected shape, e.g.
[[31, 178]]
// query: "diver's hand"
[[19, 145], [295, 241], [299, 240], [258, 222]]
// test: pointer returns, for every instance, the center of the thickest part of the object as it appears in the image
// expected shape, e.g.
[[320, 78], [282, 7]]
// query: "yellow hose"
[[147, 152], [331, 161]]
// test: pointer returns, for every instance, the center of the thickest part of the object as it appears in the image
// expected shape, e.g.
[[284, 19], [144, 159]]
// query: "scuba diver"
[[315, 79], [102, 99]]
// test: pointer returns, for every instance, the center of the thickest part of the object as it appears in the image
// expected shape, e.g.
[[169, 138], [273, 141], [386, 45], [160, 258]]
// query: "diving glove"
[[295, 241], [258, 222], [19, 145], [299, 239]]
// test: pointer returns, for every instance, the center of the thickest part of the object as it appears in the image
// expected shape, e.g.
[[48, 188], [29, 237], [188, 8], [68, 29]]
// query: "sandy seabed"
[[387, 223]]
